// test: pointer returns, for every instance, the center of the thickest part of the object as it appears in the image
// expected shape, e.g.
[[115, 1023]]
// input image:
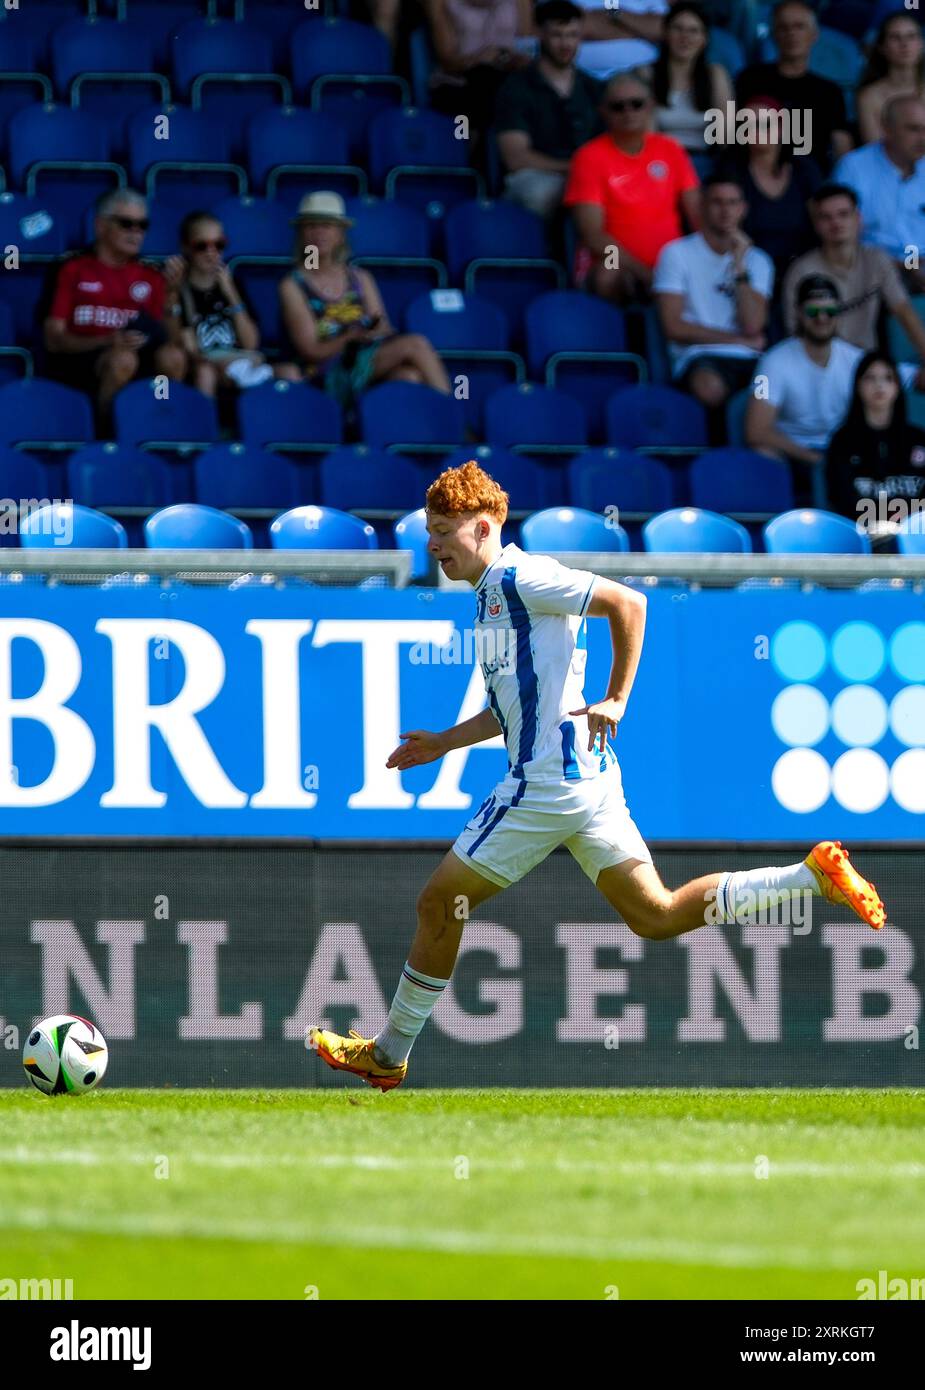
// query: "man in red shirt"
[[106, 324], [629, 189]]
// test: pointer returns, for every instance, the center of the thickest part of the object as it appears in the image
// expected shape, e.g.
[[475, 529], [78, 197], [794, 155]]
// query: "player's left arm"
[[625, 609]]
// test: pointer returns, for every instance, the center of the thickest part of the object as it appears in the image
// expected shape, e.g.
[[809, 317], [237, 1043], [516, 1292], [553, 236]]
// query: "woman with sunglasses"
[[684, 84], [875, 463], [896, 68], [218, 331]]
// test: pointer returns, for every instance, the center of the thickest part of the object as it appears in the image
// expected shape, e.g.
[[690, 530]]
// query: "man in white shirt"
[[622, 36], [712, 291], [803, 386], [889, 180]]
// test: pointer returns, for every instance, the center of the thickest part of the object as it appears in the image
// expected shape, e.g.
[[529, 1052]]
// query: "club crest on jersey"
[[140, 290], [493, 603]]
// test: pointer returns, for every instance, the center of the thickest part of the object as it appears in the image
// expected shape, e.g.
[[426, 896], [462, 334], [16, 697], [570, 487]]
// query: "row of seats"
[[685, 530], [363, 478]]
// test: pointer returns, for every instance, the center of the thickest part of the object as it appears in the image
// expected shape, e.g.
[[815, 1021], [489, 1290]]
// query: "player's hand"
[[421, 747], [603, 718]]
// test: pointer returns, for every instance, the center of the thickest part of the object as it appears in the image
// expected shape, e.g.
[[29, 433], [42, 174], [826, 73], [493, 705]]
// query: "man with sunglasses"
[[802, 387], [106, 322], [629, 188]]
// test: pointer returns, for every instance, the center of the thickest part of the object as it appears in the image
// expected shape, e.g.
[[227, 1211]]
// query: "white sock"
[[740, 895], [411, 1008]]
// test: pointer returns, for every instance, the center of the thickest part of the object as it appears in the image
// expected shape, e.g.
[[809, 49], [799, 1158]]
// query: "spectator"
[[777, 186], [896, 67], [105, 326], [684, 83], [867, 280], [219, 335], [789, 80], [476, 46], [712, 291], [876, 462], [889, 180], [334, 315], [545, 112], [629, 188], [803, 385], [620, 37]]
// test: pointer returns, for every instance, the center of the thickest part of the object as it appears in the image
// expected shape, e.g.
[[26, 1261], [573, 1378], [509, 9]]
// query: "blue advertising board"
[[270, 711]]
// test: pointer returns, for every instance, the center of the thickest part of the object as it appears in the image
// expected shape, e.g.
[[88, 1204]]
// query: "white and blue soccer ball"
[[65, 1055]]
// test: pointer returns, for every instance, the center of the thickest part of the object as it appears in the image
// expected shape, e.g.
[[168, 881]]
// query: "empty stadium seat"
[[360, 475], [393, 241], [617, 477], [203, 48], [656, 418], [289, 417], [536, 418], [911, 537], [499, 251], [21, 475], [472, 335], [414, 155], [689, 530], [65, 525], [184, 419], [184, 156], [54, 148], [44, 413], [160, 20], [291, 151], [572, 528], [739, 480], [98, 46], [811, 532], [243, 475], [402, 415], [116, 475], [336, 47], [191, 526], [321, 528], [410, 533]]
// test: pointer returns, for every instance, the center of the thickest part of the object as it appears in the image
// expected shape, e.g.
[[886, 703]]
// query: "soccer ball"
[[65, 1055]]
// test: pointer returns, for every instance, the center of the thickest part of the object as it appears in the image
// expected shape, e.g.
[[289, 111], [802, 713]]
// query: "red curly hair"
[[467, 488]]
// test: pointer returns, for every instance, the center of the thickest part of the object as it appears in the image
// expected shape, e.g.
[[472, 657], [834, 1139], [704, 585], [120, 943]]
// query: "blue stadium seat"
[[66, 525], [243, 475], [472, 337], [414, 155], [321, 528], [278, 20], [536, 418], [604, 478], [258, 279], [739, 480], [291, 151], [53, 134], [160, 20], [191, 526], [572, 528], [393, 241], [578, 343], [911, 537], [355, 105], [98, 46], [254, 227], [811, 532], [183, 420], [114, 475], [44, 413], [498, 250], [215, 46], [416, 419], [289, 417], [688, 530], [336, 47], [20, 84], [21, 475], [36, 229], [358, 475], [736, 408], [195, 139], [39, 23], [410, 533], [656, 418], [519, 475]]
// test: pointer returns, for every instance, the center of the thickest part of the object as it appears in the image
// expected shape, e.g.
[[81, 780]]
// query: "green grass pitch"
[[463, 1194]]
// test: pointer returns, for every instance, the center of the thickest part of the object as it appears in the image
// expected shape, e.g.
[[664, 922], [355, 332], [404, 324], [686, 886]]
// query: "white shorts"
[[519, 824]]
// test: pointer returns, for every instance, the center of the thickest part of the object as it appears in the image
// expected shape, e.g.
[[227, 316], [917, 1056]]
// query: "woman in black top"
[[875, 465]]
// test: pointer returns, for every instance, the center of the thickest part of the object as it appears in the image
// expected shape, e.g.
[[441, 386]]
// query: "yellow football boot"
[[840, 882], [354, 1054]]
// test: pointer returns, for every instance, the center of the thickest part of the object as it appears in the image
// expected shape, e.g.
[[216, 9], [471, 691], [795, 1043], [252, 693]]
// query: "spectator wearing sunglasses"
[[219, 332], [803, 386], [628, 189], [106, 323]]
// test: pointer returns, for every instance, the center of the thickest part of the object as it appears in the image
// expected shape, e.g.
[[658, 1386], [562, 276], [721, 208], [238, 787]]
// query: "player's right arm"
[[422, 746]]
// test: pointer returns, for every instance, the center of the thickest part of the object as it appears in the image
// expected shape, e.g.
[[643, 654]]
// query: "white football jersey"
[[531, 643]]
